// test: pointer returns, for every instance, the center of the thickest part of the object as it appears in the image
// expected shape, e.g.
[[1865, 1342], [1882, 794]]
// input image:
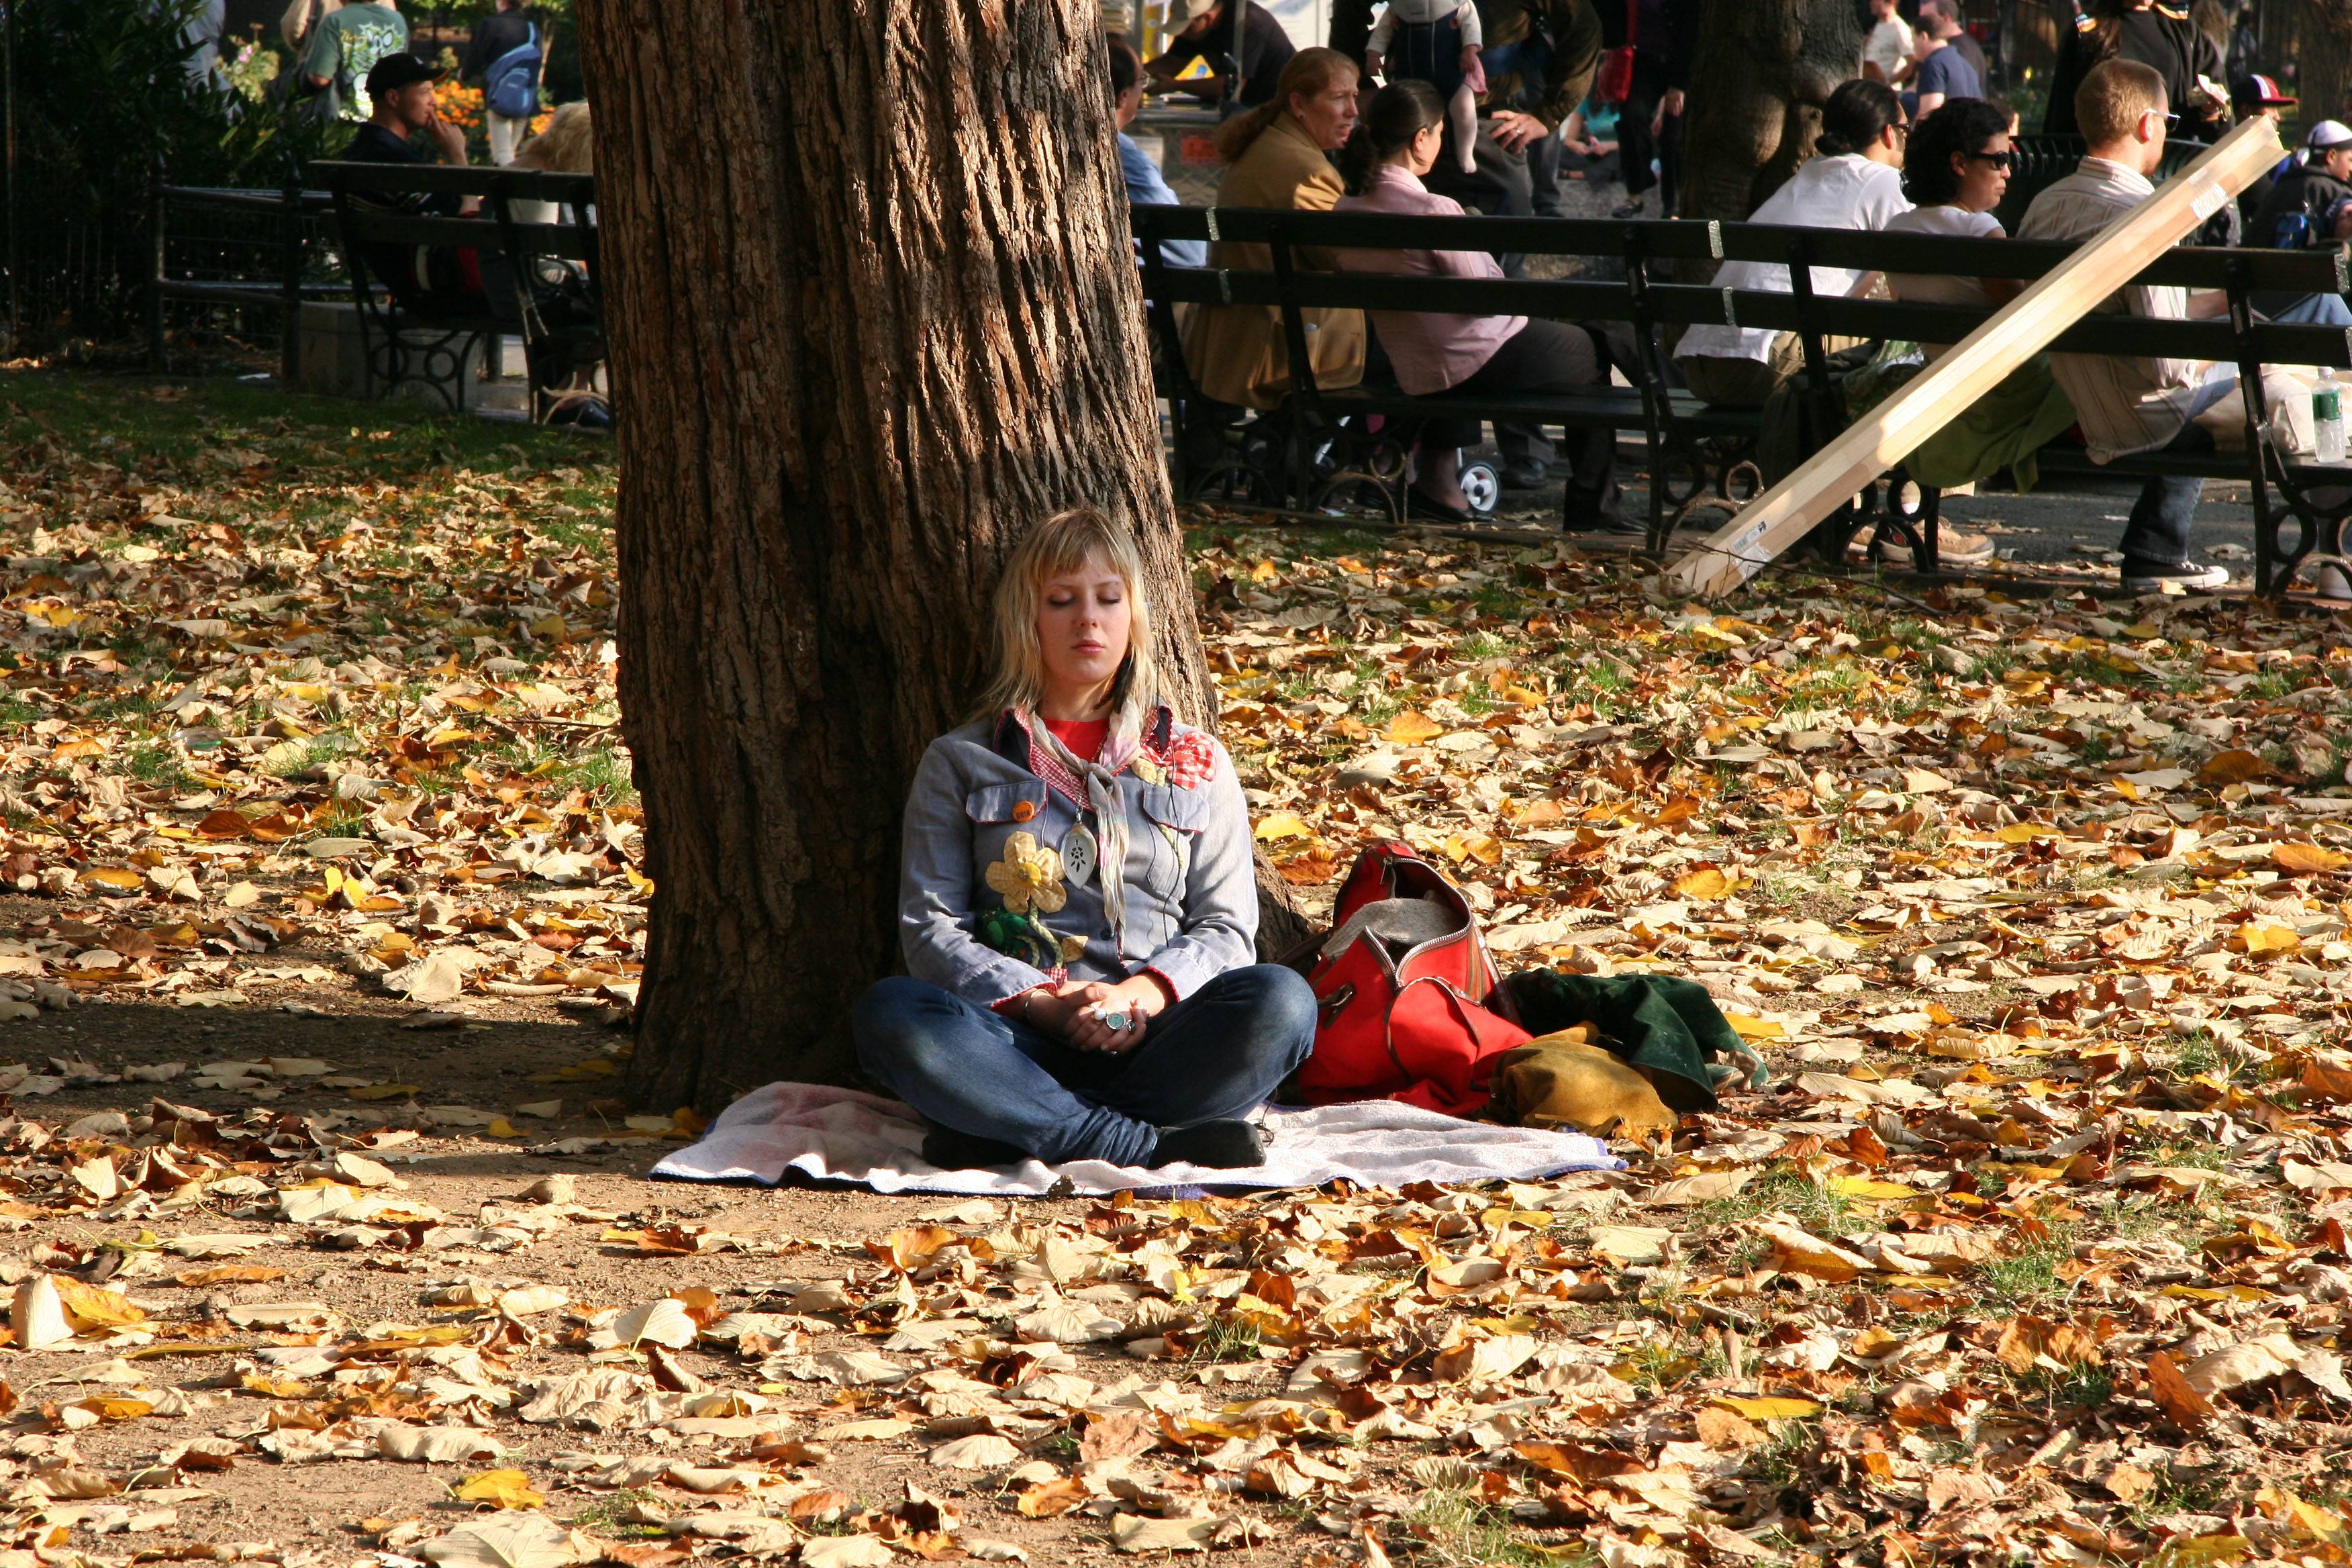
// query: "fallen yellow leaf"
[[1772, 1407], [1412, 727], [503, 1488]]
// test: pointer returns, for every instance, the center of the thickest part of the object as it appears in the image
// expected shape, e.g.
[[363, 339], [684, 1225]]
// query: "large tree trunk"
[[1764, 69], [872, 313], [2323, 59]]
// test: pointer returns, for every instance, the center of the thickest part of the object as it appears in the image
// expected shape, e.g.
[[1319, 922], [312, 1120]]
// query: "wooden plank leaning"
[[1788, 511]]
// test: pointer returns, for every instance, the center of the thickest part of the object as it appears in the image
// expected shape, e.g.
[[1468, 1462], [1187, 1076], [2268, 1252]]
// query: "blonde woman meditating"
[[1077, 905]]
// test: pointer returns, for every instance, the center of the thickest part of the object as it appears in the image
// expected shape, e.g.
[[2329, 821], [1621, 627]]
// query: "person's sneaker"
[[952, 1149], [1530, 474], [2155, 576], [1219, 1145], [1954, 547]]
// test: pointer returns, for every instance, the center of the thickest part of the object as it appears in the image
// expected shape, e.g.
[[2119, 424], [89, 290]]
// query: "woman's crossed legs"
[[1215, 1056]]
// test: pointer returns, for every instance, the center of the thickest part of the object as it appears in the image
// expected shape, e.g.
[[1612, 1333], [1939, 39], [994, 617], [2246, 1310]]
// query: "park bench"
[[1691, 446], [406, 344], [245, 255], [2299, 505], [1693, 449]]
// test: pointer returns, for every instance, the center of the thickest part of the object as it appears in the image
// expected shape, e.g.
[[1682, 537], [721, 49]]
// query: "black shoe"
[[1219, 1145], [1428, 509], [1631, 209], [951, 1150], [2151, 577], [1527, 475], [1614, 523]]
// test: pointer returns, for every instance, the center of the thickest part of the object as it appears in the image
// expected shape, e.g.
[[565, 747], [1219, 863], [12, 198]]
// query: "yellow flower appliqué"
[[1029, 878]]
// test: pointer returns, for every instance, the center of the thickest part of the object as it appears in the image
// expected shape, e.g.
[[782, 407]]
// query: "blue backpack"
[[511, 84]]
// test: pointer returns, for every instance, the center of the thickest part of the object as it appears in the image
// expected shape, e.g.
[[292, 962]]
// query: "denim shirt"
[[1191, 889]]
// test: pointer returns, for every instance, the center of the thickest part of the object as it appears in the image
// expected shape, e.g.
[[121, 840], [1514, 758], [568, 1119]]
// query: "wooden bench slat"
[[452, 179]]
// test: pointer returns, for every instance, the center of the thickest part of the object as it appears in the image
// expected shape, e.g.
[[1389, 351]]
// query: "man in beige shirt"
[[2131, 405]]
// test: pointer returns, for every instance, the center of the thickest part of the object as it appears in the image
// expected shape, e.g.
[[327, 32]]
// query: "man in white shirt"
[[1888, 47], [2131, 405]]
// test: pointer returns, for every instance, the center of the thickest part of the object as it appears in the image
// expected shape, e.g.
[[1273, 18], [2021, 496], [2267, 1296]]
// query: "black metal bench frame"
[[1692, 448], [409, 346], [285, 294]]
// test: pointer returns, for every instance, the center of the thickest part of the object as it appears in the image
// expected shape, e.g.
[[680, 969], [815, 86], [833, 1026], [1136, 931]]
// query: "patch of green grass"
[[1784, 1187], [600, 772], [2080, 1386], [1780, 1464], [156, 762], [1227, 1339], [1451, 1528], [608, 1515], [317, 751], [2030, 1276], [2202, 1156], [15, 712], [1659, 1366], [1495, 600]]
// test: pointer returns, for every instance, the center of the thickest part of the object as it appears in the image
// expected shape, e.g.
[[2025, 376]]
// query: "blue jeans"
[[2166, 511], [2316, 311], [1213, 1056]]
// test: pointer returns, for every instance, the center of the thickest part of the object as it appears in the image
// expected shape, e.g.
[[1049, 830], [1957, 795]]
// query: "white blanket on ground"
[[841, 1135]]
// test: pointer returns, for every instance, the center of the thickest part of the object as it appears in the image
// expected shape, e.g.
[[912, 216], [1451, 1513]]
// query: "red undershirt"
[[1083, 738]]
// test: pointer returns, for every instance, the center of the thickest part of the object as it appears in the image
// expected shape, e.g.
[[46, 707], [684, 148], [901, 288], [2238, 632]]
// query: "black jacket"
[[2160, 36], [2303, 189]]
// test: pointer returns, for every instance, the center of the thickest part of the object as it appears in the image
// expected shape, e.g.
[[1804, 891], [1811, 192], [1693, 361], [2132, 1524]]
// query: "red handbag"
[[1408, 992], [1614, 82]]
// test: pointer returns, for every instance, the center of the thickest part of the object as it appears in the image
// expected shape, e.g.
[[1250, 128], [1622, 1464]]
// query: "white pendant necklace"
[[1080, 853]]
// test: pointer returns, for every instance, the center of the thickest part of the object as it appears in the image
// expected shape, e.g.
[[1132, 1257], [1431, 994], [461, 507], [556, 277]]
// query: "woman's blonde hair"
[[1063, 543], [1309, 72], [568, 145]]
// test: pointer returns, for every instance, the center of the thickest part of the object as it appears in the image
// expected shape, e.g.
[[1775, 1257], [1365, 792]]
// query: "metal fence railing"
[[232, 268]]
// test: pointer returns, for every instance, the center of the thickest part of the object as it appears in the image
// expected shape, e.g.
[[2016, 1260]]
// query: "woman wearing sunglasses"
[[1957, 169]]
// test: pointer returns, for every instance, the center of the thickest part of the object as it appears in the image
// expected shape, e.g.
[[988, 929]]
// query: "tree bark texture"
[[1764, 69], [2323, 59], [873, 311]]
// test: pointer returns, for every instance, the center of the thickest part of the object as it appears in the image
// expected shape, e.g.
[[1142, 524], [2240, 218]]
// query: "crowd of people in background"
[[1916, 142]]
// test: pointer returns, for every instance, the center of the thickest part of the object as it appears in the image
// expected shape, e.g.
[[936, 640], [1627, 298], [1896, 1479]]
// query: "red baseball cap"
[[2259, 91]]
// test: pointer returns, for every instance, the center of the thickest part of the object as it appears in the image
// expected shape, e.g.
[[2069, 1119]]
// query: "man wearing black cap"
[[434, 277], [400, 98]]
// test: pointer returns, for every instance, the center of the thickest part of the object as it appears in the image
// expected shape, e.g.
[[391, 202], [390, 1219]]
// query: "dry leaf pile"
[[351, 718], [2034, 1248]]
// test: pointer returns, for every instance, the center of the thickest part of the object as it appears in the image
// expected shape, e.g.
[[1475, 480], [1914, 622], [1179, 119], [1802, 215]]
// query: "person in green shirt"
[[344, 47]]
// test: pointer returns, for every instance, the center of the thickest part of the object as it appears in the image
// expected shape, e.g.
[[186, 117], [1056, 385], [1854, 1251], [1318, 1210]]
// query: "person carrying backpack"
[[506, 58]]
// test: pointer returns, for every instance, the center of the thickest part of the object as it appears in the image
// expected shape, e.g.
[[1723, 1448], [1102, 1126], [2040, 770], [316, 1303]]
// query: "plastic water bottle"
[[2327, 419]]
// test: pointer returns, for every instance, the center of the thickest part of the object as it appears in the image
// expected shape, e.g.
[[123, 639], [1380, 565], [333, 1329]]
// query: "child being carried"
[[1436, 41]]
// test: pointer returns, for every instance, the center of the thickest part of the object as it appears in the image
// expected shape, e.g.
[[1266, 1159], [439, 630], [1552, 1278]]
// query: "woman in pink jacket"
[[1434, 352]]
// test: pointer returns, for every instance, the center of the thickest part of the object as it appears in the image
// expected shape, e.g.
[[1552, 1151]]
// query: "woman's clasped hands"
[[1093, 1016]]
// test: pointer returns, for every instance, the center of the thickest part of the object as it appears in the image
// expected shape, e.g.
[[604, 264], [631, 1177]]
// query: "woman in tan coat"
[[1274, 158]]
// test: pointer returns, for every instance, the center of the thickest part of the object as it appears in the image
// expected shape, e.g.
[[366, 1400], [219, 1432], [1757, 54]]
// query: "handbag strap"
[[1633, 23]]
